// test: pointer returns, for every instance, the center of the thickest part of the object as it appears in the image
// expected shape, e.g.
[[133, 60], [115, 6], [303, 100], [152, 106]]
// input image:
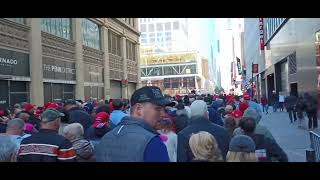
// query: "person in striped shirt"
[[47, 145]]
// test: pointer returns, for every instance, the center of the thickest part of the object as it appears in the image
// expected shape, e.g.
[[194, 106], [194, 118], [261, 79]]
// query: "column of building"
[[139, 84], [79, 94], [36, 70], [106, 71], [125, 72]]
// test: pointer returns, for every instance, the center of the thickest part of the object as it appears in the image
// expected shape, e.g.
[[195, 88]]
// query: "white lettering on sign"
[[261, 33], [58, 69], [3, 102], [8, 61]]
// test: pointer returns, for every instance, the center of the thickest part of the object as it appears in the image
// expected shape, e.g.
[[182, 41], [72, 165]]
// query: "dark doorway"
[[294, 89]]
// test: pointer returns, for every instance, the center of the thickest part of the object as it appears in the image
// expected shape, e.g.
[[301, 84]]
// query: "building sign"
[[261, 34], [254, 68], [14, 63], [58, 69]]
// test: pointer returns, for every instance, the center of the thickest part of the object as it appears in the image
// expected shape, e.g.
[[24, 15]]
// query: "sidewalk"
[[293, 139]]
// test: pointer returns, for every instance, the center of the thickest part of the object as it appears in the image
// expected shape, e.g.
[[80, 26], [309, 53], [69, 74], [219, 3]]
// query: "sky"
[[201, 33]]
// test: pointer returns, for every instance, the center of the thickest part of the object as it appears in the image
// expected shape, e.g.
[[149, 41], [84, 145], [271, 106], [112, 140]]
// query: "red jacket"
[[264, 101]]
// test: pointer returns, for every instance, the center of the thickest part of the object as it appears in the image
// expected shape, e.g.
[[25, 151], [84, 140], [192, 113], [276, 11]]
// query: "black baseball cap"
[[150, 94]]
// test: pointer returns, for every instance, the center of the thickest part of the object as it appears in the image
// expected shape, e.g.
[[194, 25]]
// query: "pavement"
[[294, 140]]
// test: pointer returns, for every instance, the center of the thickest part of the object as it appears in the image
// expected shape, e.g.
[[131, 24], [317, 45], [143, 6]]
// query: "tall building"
[[43, 59], [169, 34], [229, 42], [290, 47]]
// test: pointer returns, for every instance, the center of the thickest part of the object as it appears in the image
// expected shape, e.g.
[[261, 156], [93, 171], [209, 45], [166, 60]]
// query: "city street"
[[293, 139]]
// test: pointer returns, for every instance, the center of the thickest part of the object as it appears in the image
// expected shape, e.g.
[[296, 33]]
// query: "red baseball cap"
[[246, 97], [54, 106], [102, 118], [236, 114], [28, 106]]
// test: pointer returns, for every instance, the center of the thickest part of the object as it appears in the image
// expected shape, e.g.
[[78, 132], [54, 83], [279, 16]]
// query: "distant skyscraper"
[[169, 34]]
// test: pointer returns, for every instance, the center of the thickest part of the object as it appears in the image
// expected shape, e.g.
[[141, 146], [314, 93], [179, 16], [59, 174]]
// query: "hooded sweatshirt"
[[251, 112]]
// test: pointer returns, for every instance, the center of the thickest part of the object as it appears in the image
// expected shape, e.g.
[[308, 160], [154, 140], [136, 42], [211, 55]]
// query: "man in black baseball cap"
[[135, 138]]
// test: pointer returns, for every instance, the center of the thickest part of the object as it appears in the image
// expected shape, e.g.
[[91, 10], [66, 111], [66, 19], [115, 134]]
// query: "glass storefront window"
[[60, 27], [90, 34]]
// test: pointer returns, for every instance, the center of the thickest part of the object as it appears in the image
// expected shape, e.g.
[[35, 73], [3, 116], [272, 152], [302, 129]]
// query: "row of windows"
[[144, 20], [169, 70], [114, 44], [161, 37], [272, 25], [131, 51], [130, 21], [91, 36], [159, 26]]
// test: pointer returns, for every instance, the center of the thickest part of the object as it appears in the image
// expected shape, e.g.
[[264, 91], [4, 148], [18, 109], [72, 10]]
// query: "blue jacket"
[[214, 116]]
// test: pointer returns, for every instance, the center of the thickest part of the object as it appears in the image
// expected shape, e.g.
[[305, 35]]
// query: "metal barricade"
[[313, 154]]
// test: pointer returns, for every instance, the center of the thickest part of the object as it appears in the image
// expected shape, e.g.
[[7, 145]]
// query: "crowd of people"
[[150, 127]]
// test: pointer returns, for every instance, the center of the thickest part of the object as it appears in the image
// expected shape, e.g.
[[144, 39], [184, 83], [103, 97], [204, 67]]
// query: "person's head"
[[70, 103], [242, 149], [208, 100], [29, 107], [101, 102], [204, 147], [230, 123], [103, 108], [73, 131], [102, 120], [248, 125], [15, 127], [50, 119], [17, 106], [199, 108], [8, 149], [228, 109], [117, 104], [166, 125], [148, 103], [251, 112], [246, 97], [181, 110], [237, 98], [24, 116], [237, 115]]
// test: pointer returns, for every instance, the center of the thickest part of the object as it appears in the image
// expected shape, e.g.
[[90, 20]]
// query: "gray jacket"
[[126, 142]]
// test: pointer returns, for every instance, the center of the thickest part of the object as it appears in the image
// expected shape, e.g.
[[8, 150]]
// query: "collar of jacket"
[[48, 131], [199, 120], [138, 121]]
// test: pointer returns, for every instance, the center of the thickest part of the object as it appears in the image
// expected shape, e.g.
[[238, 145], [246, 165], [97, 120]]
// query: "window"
[[168, 26], [151, 28], [168, 36], [159, 27], [151, 37], [114, 44], [131, 51], [176, 25], [18, 20], [57, 26], [143, 28], [90, 34], [159, 37]]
